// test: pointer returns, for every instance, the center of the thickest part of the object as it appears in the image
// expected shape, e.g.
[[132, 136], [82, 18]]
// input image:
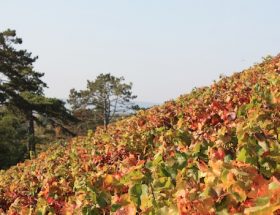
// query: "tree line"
[[29, 118]]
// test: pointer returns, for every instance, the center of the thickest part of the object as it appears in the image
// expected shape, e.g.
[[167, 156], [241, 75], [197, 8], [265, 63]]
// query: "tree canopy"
[[21, 86], [106, 96]]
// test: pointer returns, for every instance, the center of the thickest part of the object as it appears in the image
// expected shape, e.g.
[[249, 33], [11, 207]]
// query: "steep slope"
[[213, 151]]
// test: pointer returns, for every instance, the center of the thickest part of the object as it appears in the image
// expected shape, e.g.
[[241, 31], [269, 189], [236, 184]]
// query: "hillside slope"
[[213, 151]]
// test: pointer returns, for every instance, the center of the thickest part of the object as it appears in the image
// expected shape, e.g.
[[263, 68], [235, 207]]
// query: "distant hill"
[[146, 104], [141, 104], [213, 151]]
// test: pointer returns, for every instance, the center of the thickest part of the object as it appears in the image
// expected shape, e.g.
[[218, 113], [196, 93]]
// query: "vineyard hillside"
[[213, 151]]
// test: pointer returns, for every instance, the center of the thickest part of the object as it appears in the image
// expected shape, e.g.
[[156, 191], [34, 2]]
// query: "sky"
[[164, 47]]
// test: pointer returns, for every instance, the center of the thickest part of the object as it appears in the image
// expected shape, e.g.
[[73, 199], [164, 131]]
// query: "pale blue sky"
[[165, 47]]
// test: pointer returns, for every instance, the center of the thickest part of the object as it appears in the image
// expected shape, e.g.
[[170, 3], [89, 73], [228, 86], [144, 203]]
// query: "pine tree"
[[21, 86], [106, 96]]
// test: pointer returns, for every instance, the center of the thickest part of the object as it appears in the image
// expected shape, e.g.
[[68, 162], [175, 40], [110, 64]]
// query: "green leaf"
[[135, 194], [247, 156], [103, 199], [134, 176], [157, 159], [90, 211], [273, 186], [242, 155], [181, 160], [115, 207], [146, 200], [163, 183], [185, 137], [262, 201]]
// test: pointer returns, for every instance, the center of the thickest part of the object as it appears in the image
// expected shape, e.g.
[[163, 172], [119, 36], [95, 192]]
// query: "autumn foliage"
[[213, 151]]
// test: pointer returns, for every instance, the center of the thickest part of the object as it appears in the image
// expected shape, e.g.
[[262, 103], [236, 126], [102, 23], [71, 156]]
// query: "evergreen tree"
[[21, 86], [12, 137], [106, 96]]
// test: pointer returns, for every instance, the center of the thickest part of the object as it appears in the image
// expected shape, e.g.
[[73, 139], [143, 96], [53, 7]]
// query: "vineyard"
[[213, 151]]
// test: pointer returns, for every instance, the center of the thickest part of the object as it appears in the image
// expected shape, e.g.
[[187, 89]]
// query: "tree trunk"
[[106, 114], [31, 135], [106, 119]]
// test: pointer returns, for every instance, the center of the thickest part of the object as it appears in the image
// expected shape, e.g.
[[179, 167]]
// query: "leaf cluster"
[[213, 151]]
